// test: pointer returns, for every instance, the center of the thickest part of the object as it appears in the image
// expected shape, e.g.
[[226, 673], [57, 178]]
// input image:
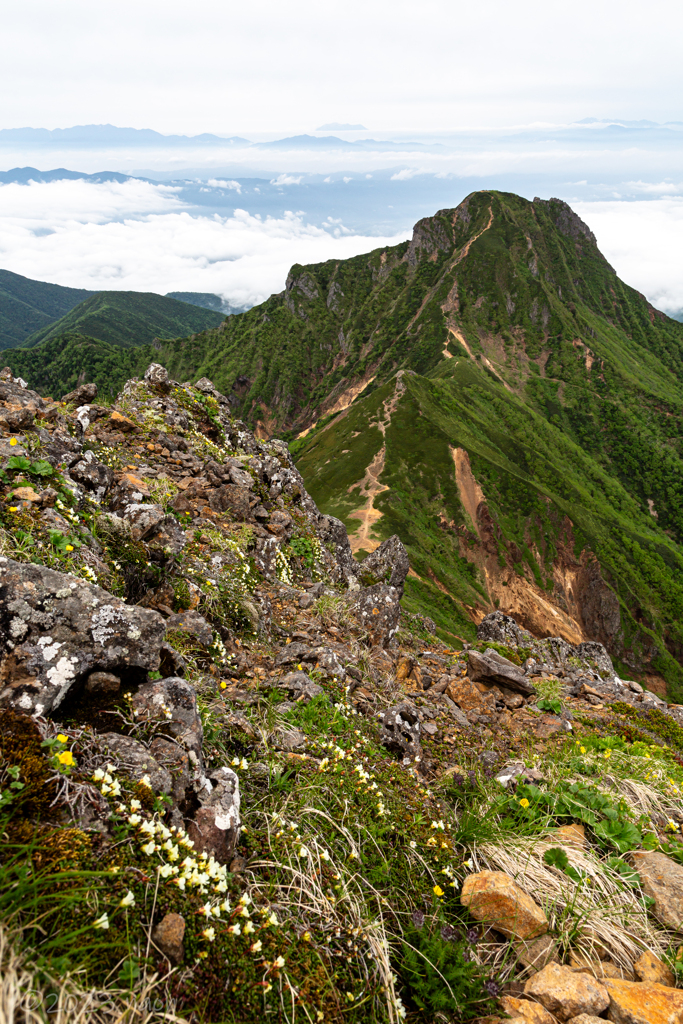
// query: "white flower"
[[235, 929], [273, 919], [135, 805], [134, 819], [148, 848], [128, 900], [303, 852], [209, 933], [102, 922], [257, 946], [98, 775], [165, 870], [248, 928], [280, 962]]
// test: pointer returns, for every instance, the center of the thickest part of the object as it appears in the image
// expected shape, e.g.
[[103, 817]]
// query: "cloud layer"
[[142, 236], [642, 241], [137, 236]]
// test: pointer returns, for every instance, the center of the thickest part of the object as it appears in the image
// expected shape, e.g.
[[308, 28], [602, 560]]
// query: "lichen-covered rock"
[[171, 704], [135, 760], [401, 731], [81, 395], [56, 630], [567, 993], [493, 897], [300, 686], [378, 610], [388, 563], [662, 880], [634, 1002], [215, 828]]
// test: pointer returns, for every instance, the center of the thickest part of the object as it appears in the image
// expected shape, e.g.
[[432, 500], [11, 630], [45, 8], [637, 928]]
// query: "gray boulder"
[[136, 761], [387, 564], [400, 732], [298, 685], [55, 630], [491, 667], [172, 705], [378, 609]]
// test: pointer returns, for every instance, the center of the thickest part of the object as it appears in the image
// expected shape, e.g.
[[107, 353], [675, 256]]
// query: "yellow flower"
[[608, 753], [66, 757], [306, 936], [437, 890], [69, 547], [223, 685], [14, 508], [524, 802], [583, 750], [62, 738], [13, 442]]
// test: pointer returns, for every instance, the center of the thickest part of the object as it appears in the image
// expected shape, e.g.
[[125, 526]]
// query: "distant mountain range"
[[101, 135]]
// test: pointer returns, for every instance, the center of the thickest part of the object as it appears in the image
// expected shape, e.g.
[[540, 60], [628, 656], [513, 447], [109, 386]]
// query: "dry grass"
[[29, 998], [600, 910], [296, 884]]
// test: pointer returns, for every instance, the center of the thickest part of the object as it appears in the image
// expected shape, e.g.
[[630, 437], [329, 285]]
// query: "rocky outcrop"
[[56, 630]]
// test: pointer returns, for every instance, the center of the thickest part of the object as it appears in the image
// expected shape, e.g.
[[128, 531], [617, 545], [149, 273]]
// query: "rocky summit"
[[378, 724]]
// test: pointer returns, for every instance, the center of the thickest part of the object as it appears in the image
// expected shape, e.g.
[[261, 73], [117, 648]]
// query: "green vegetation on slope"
[[129, 318], [540, 487], [59, 364], [28, 306]]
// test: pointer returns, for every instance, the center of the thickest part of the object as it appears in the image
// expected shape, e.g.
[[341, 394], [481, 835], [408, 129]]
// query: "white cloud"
[[286, 179], [218, 183], [642, 241], [137, 236]]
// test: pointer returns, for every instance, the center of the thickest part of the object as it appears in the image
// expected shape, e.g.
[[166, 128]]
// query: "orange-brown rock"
[[567, 993], [586, 1018], [466, 695], [24, 494], [525, 1010], [572, 835], [662, 879], [649, 967], [637, 1002], [168, 937], [493, 897], [120, 422]]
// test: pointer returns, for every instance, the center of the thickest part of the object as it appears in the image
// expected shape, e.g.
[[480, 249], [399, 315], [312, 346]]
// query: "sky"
[[231, 67], [459, 96]]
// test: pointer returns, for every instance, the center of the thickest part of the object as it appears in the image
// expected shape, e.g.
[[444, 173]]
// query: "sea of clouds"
[[150, 236], [139, 236]]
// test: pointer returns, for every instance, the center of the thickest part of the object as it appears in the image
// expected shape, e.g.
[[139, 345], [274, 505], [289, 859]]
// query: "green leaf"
[[18, 462], [556, 857], [41, 468]]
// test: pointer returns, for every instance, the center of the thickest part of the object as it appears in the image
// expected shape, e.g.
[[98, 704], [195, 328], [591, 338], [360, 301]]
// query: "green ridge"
[[128, 319], [28, 306]]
